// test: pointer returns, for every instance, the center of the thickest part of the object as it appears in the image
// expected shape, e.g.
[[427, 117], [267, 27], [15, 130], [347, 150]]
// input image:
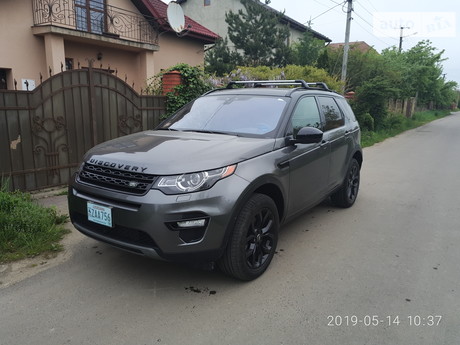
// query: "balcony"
[[96, 19]]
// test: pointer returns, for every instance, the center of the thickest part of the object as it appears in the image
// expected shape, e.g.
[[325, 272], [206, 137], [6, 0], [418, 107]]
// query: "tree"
[[376, 78], [419, 74], [257, 33], [425, 72], [372, 98], [362, 66], [220, 60], [307, 50]]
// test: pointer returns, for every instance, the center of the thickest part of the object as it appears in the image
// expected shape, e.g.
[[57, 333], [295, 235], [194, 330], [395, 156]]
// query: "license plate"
[[99, 214]]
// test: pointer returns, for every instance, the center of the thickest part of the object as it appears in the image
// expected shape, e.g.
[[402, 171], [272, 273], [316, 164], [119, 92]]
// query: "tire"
[[346, 196], [253, 241]]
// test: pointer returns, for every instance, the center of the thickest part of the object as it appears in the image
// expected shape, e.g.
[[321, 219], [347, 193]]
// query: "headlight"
[[193, 182]]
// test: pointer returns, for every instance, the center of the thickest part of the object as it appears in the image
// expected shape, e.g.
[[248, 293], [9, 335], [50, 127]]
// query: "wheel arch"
[[264, 185], [359, 157], [273, 191]]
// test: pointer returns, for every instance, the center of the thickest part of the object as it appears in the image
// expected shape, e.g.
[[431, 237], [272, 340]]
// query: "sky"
[[378, 22], [374, 21]]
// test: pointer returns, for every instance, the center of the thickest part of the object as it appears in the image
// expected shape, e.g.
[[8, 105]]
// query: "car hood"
[[169, 153]]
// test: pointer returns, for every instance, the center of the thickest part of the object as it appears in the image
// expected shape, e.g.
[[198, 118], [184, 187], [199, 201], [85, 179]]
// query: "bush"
[[372, 97], [307, 73], [26, 228], [394, 121], [366, 121]]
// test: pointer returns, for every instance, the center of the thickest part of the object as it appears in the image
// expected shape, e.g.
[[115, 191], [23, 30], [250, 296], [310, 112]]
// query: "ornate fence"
[[45, 132], [99, 19]]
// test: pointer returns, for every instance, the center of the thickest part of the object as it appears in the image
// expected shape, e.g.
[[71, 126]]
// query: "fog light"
[[196, 223]]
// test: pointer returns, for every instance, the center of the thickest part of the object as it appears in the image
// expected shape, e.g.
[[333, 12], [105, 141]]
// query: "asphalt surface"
[[385, 271]]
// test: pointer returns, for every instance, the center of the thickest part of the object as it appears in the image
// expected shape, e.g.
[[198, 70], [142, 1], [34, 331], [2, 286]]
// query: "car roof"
[[274, 92], [274, 88]]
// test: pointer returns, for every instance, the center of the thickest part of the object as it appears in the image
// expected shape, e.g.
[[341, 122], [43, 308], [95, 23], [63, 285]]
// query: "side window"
[[343, 104], [306, 114], [331, 112]]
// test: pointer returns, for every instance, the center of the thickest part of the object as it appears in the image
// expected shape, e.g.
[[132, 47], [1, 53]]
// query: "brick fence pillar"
[[170, 80]]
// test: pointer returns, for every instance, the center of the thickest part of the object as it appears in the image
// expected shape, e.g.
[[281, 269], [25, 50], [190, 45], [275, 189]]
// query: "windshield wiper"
[[209, 131], [167, 129]]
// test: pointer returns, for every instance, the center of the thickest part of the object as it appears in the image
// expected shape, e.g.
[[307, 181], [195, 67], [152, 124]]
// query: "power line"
[[319, 15], [365, 9], [370, 3], [362, 27], [373, 14], [371, 25], [364, 20]]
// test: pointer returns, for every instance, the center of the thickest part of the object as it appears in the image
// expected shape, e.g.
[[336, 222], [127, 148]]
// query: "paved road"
[[394, 255]]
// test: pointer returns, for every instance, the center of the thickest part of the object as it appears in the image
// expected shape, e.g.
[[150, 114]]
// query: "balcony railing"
[[107, 20]]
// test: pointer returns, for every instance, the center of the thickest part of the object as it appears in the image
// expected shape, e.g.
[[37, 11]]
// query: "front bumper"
[[147, 225]]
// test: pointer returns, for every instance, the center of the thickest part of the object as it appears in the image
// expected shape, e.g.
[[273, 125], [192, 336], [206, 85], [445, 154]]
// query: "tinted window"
[[346, 109], [233, 114], [306, 114], [331, 112]]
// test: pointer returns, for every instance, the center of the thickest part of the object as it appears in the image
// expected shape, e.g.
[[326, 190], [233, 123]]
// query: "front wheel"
[[348, 192], [253, 242]]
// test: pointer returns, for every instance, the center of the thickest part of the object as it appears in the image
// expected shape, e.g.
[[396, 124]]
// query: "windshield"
[[245, 115]]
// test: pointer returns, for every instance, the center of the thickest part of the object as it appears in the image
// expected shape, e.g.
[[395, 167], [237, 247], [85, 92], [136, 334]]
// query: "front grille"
[[118, 180], [120, 233]]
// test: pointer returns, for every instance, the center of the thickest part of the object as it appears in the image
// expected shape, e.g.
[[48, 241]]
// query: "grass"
[[63, 192], [397, 124], [26, 228]]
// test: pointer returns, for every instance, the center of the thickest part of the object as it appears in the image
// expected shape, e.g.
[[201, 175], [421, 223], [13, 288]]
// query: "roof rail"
[[259, 83]]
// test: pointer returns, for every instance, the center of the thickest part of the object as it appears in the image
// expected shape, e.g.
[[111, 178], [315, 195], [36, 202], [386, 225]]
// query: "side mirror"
[[307, 135]]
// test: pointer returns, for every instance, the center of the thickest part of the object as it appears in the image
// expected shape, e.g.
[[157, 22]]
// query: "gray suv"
[[214, 182]]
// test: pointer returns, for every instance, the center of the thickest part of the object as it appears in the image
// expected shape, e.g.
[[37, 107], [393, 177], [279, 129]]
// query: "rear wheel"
[[347, 194], [253, 241]]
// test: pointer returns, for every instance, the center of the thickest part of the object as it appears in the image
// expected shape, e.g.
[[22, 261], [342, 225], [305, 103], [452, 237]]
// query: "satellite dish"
[[176, 17]]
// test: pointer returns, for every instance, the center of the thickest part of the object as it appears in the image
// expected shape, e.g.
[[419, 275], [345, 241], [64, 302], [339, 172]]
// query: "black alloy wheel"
[[348, 192], [253, 242], [260, 239], [353, 182]]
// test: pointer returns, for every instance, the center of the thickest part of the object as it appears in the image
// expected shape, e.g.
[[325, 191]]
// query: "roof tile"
[[158, 9]]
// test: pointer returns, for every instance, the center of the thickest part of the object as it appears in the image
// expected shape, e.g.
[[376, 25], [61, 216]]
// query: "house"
[[129, 38], [362, 46], [211, 13]]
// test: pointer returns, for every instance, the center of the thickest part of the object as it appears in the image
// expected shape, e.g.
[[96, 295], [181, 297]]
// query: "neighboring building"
[[211, 13], [358, 45], [128, 37]]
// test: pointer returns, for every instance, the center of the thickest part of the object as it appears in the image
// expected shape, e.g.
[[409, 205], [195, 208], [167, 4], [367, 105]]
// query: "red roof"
[[359, 45], [157, 9]]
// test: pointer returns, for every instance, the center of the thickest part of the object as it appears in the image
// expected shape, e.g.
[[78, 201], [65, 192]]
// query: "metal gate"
[[45, 132]]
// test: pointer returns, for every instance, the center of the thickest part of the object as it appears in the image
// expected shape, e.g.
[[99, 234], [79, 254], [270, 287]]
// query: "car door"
[[308, 163], [335, 135]]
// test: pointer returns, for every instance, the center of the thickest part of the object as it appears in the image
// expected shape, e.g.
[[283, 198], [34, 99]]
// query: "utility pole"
[[401, 36], [346, 47]]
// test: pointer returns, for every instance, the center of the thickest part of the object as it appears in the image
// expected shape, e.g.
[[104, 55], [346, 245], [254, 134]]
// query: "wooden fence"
[[44, 133], [405, 107]]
